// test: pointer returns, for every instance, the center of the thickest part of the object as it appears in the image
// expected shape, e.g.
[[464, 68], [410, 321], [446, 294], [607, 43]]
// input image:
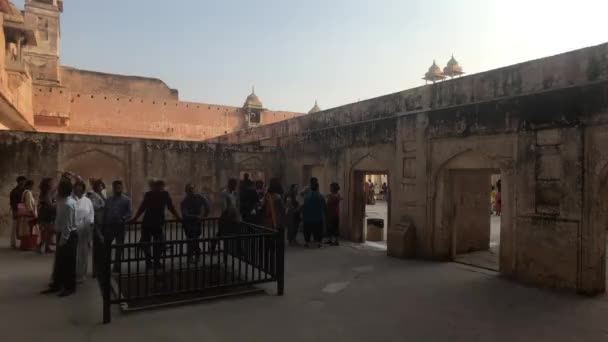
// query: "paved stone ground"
[[486, 259], [346, 293]]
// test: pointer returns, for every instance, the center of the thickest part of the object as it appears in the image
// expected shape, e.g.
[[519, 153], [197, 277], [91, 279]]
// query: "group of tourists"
[[307, 210], [63, 215]]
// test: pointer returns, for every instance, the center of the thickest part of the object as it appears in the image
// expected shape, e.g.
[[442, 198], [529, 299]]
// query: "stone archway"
[[356, 196], [461, 196], [254, 166], [97, 164]]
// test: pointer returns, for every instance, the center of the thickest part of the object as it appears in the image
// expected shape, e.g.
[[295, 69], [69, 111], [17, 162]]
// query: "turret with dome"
[[315, 108], [434, 74], [453, 68], [253, 101]]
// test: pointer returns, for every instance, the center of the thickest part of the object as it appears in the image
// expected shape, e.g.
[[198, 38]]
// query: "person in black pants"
[[313, 214], [117, 212], [64, 270], [154, 205]]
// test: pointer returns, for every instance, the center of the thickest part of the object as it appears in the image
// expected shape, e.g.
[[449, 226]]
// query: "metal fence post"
[[280, 261], [106, 280]]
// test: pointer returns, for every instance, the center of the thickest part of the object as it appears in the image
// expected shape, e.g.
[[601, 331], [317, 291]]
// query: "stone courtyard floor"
[[346, 293]]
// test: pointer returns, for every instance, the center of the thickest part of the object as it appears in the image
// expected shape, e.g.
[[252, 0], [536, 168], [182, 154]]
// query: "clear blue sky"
[[336, 51]]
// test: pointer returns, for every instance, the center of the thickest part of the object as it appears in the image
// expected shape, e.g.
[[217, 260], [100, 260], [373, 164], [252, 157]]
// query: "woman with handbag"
[[27, 221]]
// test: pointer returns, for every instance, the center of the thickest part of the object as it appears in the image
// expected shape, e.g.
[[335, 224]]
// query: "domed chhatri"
[[315, 108], [453, 68], [434, 74], [253, 101]]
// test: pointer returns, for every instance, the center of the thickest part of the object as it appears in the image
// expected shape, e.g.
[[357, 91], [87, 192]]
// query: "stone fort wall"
[[207, 166], [91, 82], [95, 103], [542, 125]]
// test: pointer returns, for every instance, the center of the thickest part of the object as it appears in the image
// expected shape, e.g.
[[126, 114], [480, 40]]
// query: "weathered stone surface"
[[207, 165], [540, 125]]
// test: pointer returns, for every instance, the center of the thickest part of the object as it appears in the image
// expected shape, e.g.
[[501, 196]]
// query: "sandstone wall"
[[208, 166], [541, 75], [91, 82], [128, 116]]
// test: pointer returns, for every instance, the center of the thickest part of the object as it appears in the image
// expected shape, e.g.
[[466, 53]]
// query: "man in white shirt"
[[85, 217]]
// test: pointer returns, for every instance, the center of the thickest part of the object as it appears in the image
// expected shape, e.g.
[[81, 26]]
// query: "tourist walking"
[[313, 212], [194, 209], [46, 215], [27, 218], [292, 212], [15, 199], [85, 217], [153, 207], [273, 205], [333, 214], [116, 214], [64, 269]]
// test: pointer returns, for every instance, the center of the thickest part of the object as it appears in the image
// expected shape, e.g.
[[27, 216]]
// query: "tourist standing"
[[273, 205], [117, 212], [15, 199], [64, 270], [230, 214], [98, 199], [313, 212], [153, 207], [85, 217], [247, 198], [27, 218], [333, 214], [499, 198], [493, 200], [292, 211], [194, 209], [46, 214]]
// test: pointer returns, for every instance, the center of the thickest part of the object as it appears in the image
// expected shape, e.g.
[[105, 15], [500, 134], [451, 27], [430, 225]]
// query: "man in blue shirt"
[[117, 212], [313, 214]]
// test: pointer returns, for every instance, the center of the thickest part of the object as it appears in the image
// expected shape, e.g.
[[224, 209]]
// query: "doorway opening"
[[477, 209], [372, 208]]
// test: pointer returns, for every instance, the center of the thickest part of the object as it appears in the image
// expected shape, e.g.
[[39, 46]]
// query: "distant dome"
[[315, 108], [434, 73], [453, 68], [253, 101]]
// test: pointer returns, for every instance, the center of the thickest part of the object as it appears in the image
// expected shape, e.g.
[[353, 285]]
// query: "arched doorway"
[[466, 227], [98, 164], [363, 170]]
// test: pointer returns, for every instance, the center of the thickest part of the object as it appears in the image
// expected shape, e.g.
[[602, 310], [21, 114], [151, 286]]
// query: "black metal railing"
[[134, 269]]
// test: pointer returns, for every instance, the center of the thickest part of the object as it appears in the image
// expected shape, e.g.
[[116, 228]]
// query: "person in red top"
[[333, 215]]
